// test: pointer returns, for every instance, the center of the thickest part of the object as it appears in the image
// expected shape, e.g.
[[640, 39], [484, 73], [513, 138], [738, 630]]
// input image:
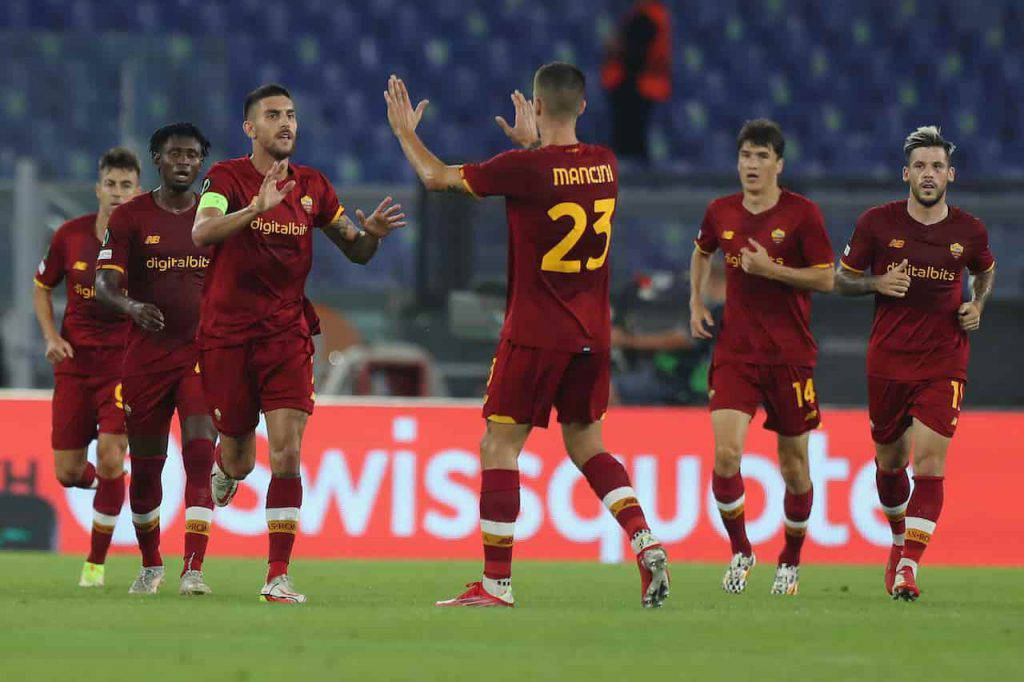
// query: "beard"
[[280, 149], [928, 203]]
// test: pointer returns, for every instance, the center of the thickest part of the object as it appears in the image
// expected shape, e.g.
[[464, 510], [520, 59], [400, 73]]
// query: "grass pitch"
[[375, 621]]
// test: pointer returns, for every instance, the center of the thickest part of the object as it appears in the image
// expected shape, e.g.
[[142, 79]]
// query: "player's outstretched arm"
[[57, 347], [700, 317], [212, 225], [970, 312], [359, 245], [433, 173], [109, 293], [895, 282], [754, 260]]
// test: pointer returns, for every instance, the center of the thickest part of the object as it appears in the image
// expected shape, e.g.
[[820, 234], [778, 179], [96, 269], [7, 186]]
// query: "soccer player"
[[911, 255], [776, 252], [554, 349], [86, 358], [255, 323], [148, 250]]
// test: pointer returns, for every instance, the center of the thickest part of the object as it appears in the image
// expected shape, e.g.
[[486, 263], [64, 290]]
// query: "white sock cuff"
[[102, 519], [199, 514], [148, 517], [283, 514], [731, 506], [504, 529], [790, 523], [923, 525], [618, 495]]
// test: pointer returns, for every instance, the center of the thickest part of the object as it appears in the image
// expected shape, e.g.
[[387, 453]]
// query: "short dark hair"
[[563, 87], [180, 129], [121, 158], [261, 93], [927, 136], [762, 132]]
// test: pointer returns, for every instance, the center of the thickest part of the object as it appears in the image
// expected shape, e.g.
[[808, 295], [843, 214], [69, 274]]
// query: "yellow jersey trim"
[[501, 419], [706, 253], [851, 269], [41, 285], [824, 265], [110, 266], [469, 187]]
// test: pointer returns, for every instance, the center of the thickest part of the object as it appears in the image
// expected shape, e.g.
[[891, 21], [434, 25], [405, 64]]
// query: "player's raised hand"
[[895, 282], [524, 132], [401, 115], [386, 218], [271, 194], [970, 316], [147, 316], [58, 350], [700, 316], [755, 259]]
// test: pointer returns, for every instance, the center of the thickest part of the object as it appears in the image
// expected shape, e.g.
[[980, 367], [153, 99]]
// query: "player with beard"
[[911, 255], [86, 358], [149, 251], [256, 324]]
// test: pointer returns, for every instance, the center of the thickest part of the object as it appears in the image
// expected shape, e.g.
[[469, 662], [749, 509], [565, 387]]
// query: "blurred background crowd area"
[[669, 85]]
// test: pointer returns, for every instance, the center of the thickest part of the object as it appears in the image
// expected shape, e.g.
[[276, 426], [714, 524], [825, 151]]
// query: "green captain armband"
[[213, 200]]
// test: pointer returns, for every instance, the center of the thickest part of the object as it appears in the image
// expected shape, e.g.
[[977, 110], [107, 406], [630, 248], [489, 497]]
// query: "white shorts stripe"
[[892, 511], [730, 506], [147, 517], [917, 523], [103, 519], [199, 514], [502, 529], [618, 495], [790, 523], [283, 514]]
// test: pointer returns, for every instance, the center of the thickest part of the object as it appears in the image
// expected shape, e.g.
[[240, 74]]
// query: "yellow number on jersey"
[[554, 259]]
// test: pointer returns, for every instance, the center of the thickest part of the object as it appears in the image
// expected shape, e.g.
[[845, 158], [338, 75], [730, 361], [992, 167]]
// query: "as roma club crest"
[[307, 203], [778, 235], [956, 249]]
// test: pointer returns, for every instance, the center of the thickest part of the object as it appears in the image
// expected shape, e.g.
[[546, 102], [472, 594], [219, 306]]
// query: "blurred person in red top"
[[637, 74], [911, 254], [86, 357], [560, 197], [776, 253]]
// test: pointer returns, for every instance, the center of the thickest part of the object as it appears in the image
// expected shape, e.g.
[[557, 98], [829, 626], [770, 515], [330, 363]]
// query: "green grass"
[[374, 621]]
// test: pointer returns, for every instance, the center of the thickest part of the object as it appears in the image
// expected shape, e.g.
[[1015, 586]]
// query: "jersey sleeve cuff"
[[40, 284], [850, 268], [110, 266], [988, 269], [824, 265], [699, 248], [465, 182]]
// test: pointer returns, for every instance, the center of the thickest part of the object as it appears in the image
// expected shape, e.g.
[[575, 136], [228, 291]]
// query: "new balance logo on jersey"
[[153, 239], [728, 234], [896, 244], [81, 265]]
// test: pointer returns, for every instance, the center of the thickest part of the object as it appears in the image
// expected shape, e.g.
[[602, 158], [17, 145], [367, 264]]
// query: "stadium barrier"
[[399, 480]]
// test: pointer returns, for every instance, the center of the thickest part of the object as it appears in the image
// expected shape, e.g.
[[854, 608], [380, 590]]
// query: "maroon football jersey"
[[766, 322], [92, 329], [919, 337], [161, 265], [560, 201], [255, 285]]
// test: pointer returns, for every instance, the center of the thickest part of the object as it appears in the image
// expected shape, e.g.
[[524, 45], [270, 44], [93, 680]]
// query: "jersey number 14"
[[554, 260]]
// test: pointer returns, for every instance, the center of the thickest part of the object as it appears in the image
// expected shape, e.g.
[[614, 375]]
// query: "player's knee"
[[495, 453], [284, 460], [69, 474], [727, 458], [929, 463], [794, 470]]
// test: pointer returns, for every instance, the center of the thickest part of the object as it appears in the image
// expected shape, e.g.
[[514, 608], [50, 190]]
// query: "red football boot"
[[476, 595], [895, 554], [904, 587]]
